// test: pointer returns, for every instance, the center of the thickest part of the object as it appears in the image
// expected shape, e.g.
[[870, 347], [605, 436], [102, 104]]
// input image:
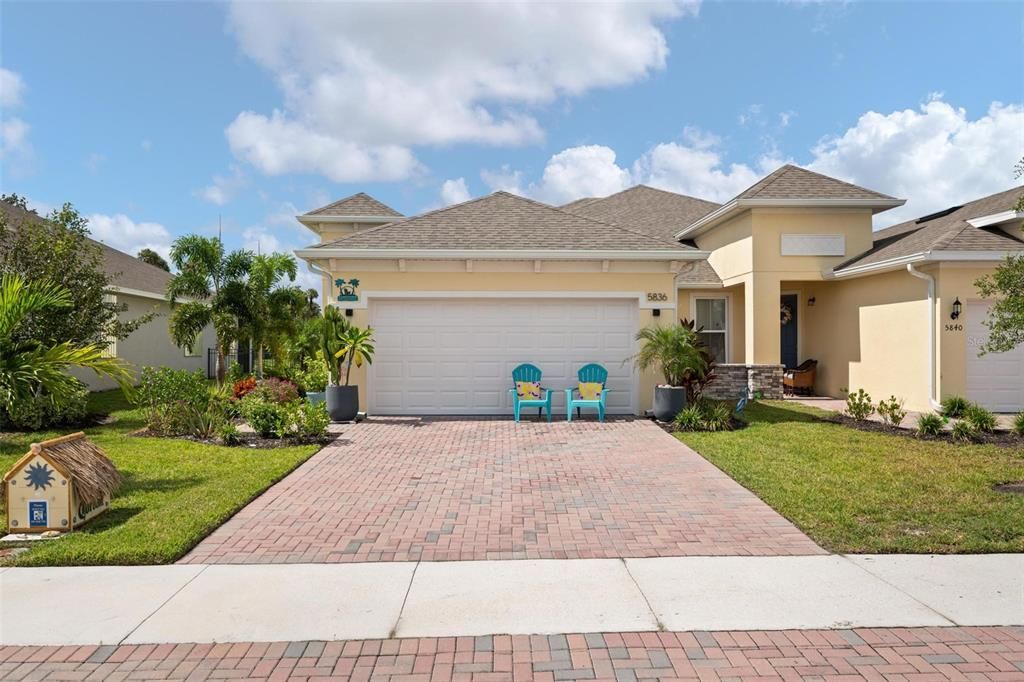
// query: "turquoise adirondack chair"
[[592, 373], [528, 372]]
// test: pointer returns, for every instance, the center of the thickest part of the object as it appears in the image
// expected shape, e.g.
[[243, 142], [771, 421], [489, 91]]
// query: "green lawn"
[[858, 491], [175, 493]]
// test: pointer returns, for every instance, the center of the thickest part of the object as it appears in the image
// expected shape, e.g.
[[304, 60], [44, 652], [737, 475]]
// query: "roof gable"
[[655, 212], [503, 221], [361, 204], [794, 182]]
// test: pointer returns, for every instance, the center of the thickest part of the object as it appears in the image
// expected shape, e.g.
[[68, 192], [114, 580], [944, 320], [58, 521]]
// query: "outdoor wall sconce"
[[656, 312], [810, 302], [957, 307], [348, 312]]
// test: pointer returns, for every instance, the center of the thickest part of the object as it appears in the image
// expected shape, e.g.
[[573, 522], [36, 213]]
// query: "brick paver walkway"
[[464, 489], [879, 654]]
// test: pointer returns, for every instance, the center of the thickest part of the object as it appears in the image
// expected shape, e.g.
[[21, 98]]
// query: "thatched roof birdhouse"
[[58, 485]]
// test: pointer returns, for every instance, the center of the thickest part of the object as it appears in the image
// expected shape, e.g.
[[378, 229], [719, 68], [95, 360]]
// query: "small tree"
[[678, 352], [356, 347], [270, 313], [332, 330], [153, 258], [212, 279], [1006, 286]]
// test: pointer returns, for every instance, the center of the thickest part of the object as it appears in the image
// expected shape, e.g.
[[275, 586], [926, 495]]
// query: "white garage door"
[[455, 356], [996, 380]]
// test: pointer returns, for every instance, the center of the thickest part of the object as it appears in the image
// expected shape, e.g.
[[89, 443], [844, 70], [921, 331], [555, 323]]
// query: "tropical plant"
[[705, 415], [307, 422], [228, 434], [243, 387], [30, 369], [175, 401], [332, 328], [964, 431], [356, 348], [270, 313], [891, 411], [858, 405], [57, 249], [678, 353], [314, 378], [954, 406], [1018, 424], [980, 418], [690, 418], [930, 424], [153, 258], [211, 280]]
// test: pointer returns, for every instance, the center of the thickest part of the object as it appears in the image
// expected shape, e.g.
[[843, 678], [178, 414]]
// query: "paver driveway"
[[407, 489]]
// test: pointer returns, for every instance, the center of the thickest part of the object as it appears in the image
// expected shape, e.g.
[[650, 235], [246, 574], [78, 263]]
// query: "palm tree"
[[676, 350], [332, 329], [270, 313], [32, 368], [211, 280]]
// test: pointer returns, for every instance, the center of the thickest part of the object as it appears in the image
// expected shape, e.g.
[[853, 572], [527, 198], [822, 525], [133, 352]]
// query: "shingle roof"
[[125, 271], [793, 182], [948, 232], [652, 211], [503, 221], [701, 273], [361, 204]]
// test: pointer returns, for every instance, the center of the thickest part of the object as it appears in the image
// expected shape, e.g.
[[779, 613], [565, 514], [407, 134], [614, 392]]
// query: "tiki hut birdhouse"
[[58, 485]]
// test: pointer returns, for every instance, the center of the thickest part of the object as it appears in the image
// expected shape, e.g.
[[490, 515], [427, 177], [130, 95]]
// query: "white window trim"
[[727, 332]]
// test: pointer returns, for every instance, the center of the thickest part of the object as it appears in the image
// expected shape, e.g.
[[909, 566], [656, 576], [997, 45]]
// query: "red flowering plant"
[[244, 387]]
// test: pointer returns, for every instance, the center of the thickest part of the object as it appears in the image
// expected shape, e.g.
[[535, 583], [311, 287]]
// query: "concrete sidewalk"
[[299, 602]]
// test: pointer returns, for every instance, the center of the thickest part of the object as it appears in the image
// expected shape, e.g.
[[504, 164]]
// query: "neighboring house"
[[788, 270], [139, 286]]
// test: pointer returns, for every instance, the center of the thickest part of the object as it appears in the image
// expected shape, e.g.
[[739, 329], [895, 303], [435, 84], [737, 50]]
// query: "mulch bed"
[[1017, 487], [1004, 439], [245, 440]]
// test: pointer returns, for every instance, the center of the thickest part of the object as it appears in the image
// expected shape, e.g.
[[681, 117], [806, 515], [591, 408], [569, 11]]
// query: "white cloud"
[[785, 117], [11, 88], [146, 145], [503, 179], [698, 172], [94, 162], [934, 156], [749, 114], [363, 86], [454, 191], [122, 233], [224, 187]]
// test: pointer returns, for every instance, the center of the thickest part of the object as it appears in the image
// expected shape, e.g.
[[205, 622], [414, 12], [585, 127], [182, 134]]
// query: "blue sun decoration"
[[39, 476]]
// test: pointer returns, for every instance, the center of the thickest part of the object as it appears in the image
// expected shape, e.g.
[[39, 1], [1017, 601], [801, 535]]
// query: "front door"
[[787, 318]]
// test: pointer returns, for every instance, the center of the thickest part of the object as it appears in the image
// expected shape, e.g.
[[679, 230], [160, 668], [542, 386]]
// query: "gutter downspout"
[[317, 271], [931, 332]]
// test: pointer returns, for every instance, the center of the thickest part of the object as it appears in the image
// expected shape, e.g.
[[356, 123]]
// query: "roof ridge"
[[357, 195], [666, 191]]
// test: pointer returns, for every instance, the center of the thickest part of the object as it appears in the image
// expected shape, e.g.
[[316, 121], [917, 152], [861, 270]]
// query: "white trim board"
[[321, 253], [640, 296]]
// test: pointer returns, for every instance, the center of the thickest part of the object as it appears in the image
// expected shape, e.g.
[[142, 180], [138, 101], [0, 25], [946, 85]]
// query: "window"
[[110, 350], [192, 351], [712, 314]]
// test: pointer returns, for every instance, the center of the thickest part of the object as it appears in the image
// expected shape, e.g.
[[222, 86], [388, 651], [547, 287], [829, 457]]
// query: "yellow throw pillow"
[[528, 390], [591, 390]]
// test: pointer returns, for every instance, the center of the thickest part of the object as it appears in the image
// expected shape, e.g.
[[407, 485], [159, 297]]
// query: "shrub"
[[228, 434], [314, 378], [980, 418], [171, 399], [40, 411], [243, 387], [235, 374], [690, 418], [705, 415], [954, 406], [892, 411], [268, 419], [930, 424], [307, 421], [1018, 424], [858, 405], [964, 431], [276, 390]]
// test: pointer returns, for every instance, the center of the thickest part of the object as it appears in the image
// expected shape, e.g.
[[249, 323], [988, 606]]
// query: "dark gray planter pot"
[[343, 403], [668, 402], [316, 397]]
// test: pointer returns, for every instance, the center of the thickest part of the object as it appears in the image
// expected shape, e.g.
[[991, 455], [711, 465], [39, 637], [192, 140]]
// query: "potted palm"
[[678, 353], [348, 345]]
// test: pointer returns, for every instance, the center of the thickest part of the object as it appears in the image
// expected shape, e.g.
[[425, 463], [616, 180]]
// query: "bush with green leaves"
[[1018, 424], [892, 411], [228, 434], [930, 424], [964, 431], [705, 415], [307, 422], [171, 399], [267, 418], [980, 418], [40, 411], [858, 405], [314, 378], [235, 373], [954, 406]]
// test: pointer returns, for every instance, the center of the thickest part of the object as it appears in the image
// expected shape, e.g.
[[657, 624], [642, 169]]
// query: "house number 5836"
[[656, 296]]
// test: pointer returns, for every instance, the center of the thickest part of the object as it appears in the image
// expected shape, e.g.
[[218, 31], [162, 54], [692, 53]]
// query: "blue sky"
[[157, 118]]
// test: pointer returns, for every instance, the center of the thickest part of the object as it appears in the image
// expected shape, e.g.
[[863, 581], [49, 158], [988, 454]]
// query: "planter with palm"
[[345, 345], [683, 361]]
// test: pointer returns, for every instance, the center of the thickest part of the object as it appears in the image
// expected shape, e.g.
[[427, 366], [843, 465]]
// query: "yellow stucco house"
[[788, 270]]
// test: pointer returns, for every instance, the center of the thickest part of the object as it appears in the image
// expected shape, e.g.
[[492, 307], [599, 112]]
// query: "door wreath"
[[785, 314]]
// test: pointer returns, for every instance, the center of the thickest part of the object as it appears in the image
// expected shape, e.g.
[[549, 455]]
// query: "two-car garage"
[[456, 355]]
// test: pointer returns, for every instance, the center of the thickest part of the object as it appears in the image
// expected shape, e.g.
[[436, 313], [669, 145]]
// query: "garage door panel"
[[996, 380], [461, 362]]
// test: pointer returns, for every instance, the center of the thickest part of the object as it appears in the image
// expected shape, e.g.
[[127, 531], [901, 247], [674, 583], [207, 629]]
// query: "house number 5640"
[[656, 296]]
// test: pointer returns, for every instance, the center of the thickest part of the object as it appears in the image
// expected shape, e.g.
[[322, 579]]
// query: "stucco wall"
[[150, 344], [494, 276], [769, 224], [955, 280]]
